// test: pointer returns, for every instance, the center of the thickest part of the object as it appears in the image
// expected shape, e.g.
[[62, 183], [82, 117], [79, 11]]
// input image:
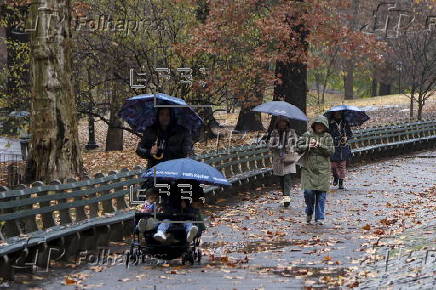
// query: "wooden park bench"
[[373, 130], [393, 137], [83, 215]]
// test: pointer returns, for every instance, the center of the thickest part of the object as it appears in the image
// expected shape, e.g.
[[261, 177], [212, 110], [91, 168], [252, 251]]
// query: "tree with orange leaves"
[[255, 45]]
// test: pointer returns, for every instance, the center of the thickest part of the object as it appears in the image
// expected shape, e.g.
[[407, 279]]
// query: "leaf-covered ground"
[[252, 242]]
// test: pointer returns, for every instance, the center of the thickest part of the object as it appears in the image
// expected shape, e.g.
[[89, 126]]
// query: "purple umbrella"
[[140, 112]]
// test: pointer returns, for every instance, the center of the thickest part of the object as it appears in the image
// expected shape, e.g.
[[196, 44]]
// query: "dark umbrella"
[[186, 168], [351, 114], [283, 109], [140, 112]]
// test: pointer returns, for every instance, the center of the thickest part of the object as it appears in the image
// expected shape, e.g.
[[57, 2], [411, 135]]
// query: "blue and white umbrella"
[[140, 112], [186, 168], [283, 109], [353, 115]]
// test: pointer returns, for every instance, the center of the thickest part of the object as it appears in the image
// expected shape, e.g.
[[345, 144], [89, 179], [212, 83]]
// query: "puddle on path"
[[263, 246], [309, 272]]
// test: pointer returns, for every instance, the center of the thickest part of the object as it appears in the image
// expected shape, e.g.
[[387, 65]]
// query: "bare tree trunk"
[[348, 80], [3, 47], [411, 105], [248, 120], [55, 151], [318, 89], [293, 89], [293, 85], [206, 113], [373, 87], [114, 136], [420, 106], [384, 89]]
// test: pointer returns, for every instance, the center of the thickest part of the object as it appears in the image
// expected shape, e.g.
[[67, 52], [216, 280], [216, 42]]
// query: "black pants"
[[286, 184]]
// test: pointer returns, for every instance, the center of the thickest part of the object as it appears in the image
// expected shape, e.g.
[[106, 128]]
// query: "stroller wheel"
[[199, 256], [137, 256], [127, 259], [191, 258]]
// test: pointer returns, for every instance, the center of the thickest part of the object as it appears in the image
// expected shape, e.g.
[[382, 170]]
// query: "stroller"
[[144, 246]]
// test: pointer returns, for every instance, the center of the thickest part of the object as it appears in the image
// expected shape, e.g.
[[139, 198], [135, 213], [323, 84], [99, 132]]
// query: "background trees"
[[271, 44], [14, 59], [415, 54], [240, 53]]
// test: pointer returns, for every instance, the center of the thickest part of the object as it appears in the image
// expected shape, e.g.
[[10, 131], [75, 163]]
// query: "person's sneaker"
[[308, 219], [160, 236], [320, 222], [286, 201], [335, 181], [191, 234], [142, 224]]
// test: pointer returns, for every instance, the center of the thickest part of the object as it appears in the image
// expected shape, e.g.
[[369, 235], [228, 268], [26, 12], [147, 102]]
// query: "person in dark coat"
[[165, 140], [341, 133]]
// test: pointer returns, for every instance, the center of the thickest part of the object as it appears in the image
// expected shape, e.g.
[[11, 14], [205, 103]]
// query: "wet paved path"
[[406, 261], [253, 242]]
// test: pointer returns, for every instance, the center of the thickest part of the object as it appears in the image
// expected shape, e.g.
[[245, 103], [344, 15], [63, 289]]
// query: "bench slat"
[[62, 206]]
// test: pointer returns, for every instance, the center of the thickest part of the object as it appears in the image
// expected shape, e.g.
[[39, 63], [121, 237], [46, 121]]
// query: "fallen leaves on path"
[[366, 227], [74, 279]]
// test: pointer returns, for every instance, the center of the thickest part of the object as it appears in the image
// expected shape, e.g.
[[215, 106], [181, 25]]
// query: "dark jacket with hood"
[[176, 142]]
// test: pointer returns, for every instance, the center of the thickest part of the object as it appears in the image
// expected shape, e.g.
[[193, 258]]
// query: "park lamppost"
[[399, 69], [91, 130]]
